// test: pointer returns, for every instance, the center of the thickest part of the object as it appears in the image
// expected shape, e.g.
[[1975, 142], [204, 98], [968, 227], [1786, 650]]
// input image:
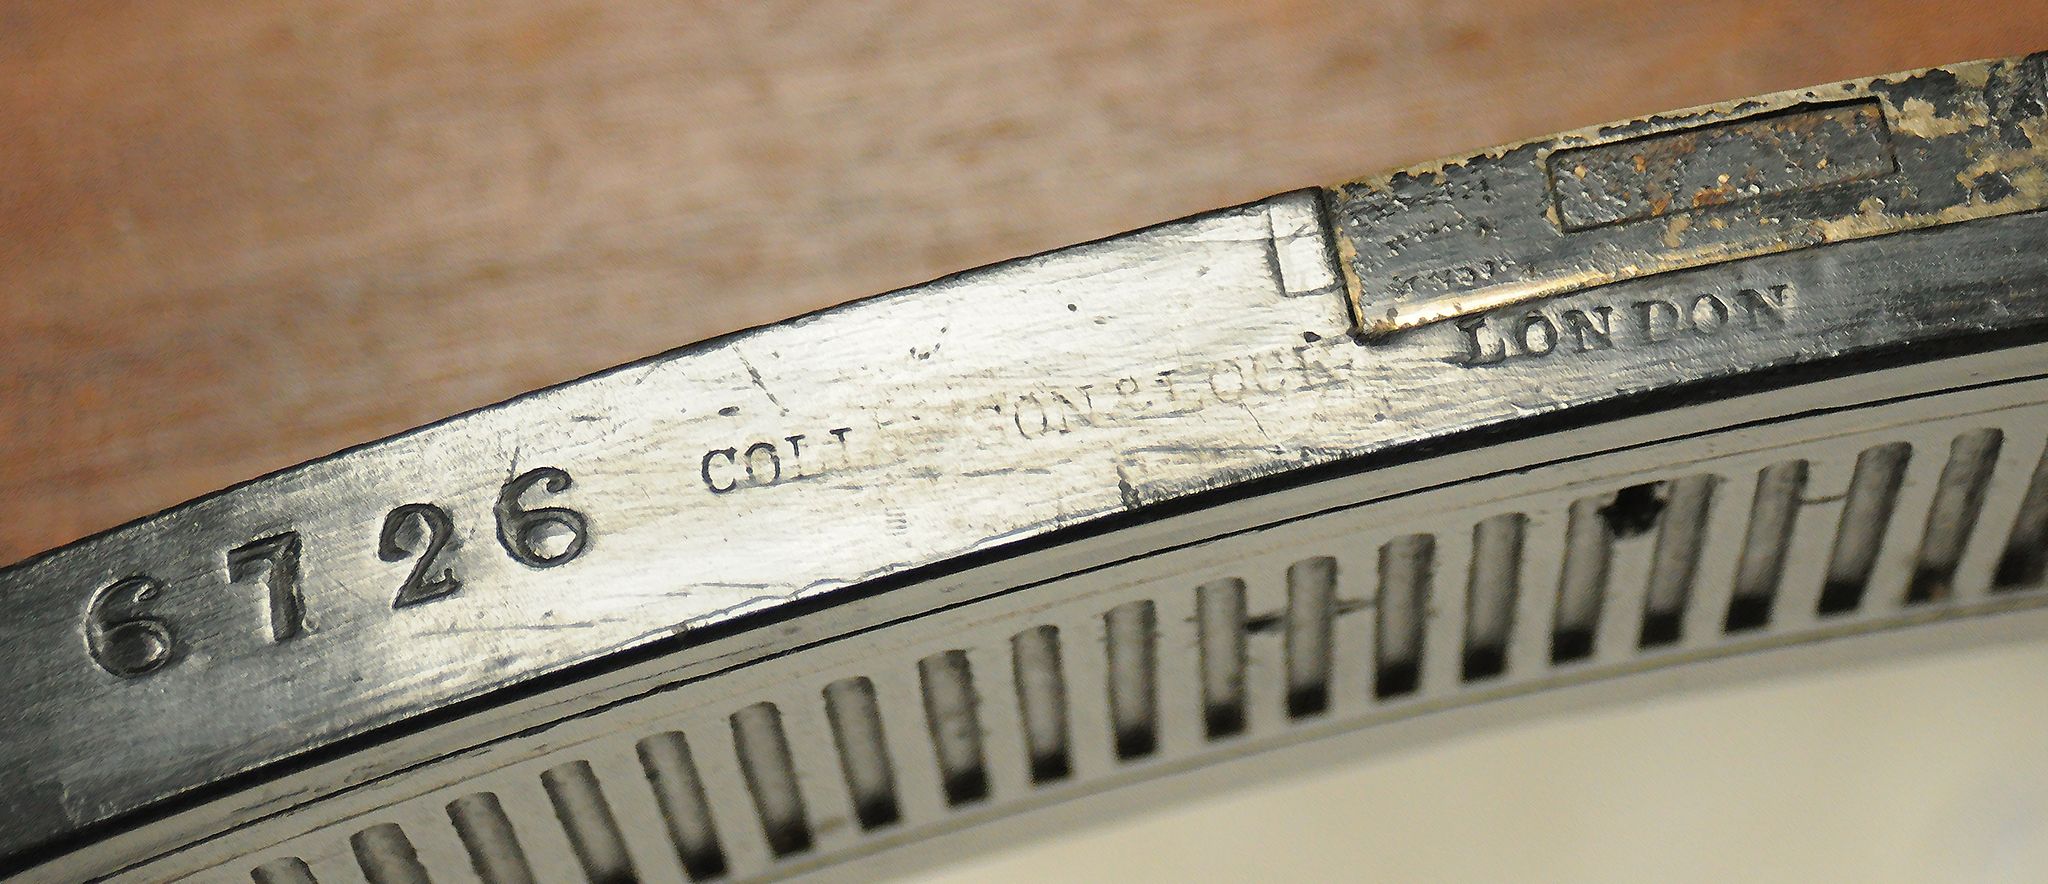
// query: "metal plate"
[[1695, 187]]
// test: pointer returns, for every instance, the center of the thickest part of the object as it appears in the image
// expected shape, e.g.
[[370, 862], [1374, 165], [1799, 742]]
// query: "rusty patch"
[[1720, 183], [1715, 164]]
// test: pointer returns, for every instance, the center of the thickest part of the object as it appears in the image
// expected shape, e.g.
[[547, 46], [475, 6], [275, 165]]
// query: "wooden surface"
[[237, 236]]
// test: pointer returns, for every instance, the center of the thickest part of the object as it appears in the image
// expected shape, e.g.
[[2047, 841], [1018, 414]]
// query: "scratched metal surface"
[[814, 456], [1718, 183]]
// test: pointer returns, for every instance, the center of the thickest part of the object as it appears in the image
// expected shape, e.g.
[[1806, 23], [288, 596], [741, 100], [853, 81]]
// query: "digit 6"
[[521, 531], [121, 635]]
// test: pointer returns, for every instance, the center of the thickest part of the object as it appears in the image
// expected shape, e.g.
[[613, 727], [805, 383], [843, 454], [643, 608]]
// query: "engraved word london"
[[1502, 336]]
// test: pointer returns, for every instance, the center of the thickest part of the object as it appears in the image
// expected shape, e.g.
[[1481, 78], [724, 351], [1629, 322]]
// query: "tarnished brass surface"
[[1718, 183]]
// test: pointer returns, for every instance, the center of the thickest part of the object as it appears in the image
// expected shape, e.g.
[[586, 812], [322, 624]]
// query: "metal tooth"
[[284, 870], [327, 862], [1404, 577], [1884, 591], [2014, 516], [1773, 514], [1177, 655], [1681, 538], [764, 758], [1003, 754], [1133, 679], [1860, 532], [387, 856], [1723, 539], [1220, 616], [1354, 660], [487, 835], [856, 722], [444, 847], [685, 810], [920, 789], [1042, 702], [1824, 513], [642, 823], [729, 792], [1582, 582], [2023, 562], [1084, 662], [1952, 516], [1442, 610], [436, 844], [1632, 518], [950, 705], [1493, 585], [1265, 665], [586, 816], [1543, 557], [814, 756], [1306, 635]]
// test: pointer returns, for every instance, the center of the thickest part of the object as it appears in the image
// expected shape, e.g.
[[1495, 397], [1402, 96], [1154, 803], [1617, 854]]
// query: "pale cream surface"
[[1926, 769]]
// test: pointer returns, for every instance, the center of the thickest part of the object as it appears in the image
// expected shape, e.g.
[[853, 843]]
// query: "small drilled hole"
[[1634, 510]]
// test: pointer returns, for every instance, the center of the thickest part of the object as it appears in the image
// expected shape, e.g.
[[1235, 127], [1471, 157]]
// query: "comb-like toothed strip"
[[1658, 557]]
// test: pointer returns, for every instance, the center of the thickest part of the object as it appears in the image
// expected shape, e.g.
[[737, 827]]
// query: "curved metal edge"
[[966, 416], [1351, 531]]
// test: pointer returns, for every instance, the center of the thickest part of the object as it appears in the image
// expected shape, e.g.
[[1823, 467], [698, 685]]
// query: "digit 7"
[[280, 554]]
